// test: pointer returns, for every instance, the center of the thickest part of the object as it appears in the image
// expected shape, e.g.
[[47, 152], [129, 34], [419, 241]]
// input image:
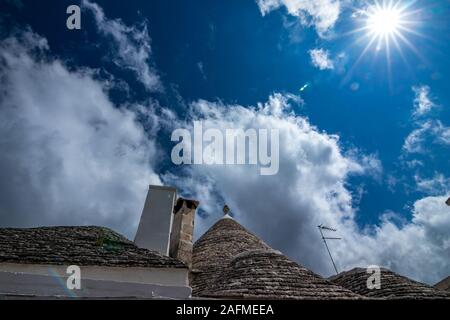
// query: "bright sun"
[[387, 21], [384, 21], [386, 24]]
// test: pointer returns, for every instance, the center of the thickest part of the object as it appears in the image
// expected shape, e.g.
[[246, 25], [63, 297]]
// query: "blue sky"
[[387, 124]]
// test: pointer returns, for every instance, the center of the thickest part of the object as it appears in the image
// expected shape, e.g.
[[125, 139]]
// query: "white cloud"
[[311, 176], [68, 155], [419, 248], [310, 189], [415, 140], [429, 132], [322, 14], [438, 184], [422, 101], [428, 129], [442, 133], [132, 44], [320, 59]]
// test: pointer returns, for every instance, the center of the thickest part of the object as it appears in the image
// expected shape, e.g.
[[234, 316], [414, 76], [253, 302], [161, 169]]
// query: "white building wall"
[[45, 280]]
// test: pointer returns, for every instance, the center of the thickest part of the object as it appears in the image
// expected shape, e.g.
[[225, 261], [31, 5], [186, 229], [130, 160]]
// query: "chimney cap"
[[190, 203], [162, 188]]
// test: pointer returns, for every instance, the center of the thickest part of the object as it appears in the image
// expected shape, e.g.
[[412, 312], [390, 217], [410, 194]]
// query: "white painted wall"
[[29, 286], [160, 276]]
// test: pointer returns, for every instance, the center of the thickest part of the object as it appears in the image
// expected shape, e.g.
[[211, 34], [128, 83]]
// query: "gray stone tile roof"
[[444, 284], [393, 286], [230, 262], [94, 246]]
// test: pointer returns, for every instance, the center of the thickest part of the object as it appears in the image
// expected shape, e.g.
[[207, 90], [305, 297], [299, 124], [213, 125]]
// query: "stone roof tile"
[[392, 285], [444, 284], [95, 246]]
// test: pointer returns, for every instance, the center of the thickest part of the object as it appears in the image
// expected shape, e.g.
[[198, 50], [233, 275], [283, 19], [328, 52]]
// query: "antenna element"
[[322, 227]]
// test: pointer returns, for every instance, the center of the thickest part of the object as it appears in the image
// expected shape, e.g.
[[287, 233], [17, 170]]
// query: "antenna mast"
[[322, 227]]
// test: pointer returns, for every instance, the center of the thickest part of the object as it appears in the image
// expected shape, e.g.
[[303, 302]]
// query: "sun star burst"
[[384, 21], [384, 24]]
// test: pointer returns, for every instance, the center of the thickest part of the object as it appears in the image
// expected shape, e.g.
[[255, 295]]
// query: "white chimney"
[[156, 220]]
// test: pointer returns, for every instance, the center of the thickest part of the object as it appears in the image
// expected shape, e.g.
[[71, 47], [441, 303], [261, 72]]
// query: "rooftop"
[[93, 246], [231, 262], [393, 285], [444, 284]]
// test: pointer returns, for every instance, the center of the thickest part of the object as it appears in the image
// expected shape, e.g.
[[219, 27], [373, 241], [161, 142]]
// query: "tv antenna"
[[321, 228]]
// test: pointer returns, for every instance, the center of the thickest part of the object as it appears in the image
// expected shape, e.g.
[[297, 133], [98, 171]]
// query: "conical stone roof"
[[230, 262], [224, 240], [444, 284], [392, 285]]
